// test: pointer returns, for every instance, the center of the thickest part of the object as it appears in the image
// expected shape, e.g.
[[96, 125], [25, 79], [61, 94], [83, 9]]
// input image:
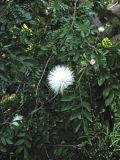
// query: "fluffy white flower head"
[[16, 119], [59, 78], [101, 29]]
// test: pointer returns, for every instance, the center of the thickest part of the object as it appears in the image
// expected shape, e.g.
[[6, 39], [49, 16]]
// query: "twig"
[[75, 145], [42, 75], [51, 98], [62, 145], [35, 110], [23, 80], [91, 46], [47, 153], [74, 14], [18, 88]]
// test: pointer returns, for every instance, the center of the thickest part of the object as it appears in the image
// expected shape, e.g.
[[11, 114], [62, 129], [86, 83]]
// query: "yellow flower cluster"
[[29, 47], [27, 32], [7, 98], [26, 29], [106, 42], [24, 26]]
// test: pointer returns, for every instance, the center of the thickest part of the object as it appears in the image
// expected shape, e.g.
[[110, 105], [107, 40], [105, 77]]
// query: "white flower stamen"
[[59, 78], [101, 29]]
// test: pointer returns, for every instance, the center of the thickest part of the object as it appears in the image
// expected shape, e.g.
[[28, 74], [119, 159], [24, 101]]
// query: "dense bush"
[[83, 122]]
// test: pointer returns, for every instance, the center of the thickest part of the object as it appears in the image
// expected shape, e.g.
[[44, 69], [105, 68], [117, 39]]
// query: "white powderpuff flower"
[[59, 78], [92, 61], [16, 120], [101, 29]]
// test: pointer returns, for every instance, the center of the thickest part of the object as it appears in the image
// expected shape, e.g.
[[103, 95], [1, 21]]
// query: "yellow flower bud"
[[25, 26]]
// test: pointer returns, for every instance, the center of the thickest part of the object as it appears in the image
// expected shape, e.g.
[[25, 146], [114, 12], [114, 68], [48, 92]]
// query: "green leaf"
[[87, 106], [9, 141], [101, 80], [19, 150], [75, 115], [85, 126], [66, 108], [68, 98], [75, 108], [3, 150], [109, 99], [25, 153], [87, 115], [28, 144], [27, 63], [3, 140], [19, 142], [115, 86], [21, 134], [22, 58], [3, 76], [77, 128], [106, 91]]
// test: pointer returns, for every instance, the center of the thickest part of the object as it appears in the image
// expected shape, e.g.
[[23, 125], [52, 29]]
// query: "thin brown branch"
[[74, 14], [42, 75]]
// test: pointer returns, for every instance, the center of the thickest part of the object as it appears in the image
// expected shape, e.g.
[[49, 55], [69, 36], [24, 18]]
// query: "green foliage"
[[36, 36]]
